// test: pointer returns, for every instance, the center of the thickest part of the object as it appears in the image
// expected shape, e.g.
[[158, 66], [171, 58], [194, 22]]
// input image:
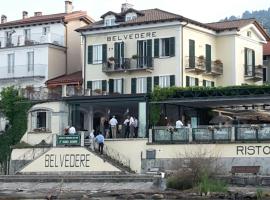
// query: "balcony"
[[23, 71], [128, 65], [199, 65], [253, 73], [214, 68], [34, 39]]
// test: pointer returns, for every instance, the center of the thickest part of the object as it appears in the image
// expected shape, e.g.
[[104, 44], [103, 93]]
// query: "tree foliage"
[[15, 110]]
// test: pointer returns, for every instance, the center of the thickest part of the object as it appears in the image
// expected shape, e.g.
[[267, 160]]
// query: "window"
[[109, 21], [46, 30], [207, 83], [249, 61], [249, 33], [164, 47], [131, 16], [164, 81], [117, 86], [30, 61], [8, 38], [27, 34], [141, 85], [11, 63], [97, 54], [96, 85], [191, 81], [41, 121]]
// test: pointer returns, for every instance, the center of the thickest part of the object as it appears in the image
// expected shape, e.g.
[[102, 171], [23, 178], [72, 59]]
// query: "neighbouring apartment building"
[[128, 53], [37, 48]]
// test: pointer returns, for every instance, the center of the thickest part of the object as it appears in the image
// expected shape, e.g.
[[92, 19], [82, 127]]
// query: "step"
[[78, 178]]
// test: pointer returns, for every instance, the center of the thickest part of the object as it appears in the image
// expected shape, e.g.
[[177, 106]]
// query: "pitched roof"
[[266, 49], [72, 79], [157, 15], [48, 18], [233, 24], [144, 17]]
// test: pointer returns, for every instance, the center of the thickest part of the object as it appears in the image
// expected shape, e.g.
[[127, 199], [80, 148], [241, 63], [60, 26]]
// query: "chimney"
[[38, 14], [24, 14], [68, 6], [3, 19], [125, 7]]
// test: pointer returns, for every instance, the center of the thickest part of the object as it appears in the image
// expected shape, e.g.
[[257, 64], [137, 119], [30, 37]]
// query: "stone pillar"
[[190, 138], [233, 134], [54, 140], [82, 139], [90, 118], [150, 138], [64, 90]]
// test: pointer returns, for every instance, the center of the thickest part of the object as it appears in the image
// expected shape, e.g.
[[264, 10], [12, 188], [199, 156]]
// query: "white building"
[[37, 48]]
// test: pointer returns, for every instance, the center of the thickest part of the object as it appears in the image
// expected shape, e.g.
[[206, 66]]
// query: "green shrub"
[[259, 193], [207, 184], [21, 145], [179, 183]]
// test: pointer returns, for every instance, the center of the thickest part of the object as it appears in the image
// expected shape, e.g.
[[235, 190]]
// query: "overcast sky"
[[200, 10]]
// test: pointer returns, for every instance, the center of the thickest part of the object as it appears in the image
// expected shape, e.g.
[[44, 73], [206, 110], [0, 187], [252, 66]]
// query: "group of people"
[[110, 128], [70, 130]]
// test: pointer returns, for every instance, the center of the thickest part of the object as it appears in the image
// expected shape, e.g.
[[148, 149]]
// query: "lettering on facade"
[[67, 160], [242, 150], [132, 36]]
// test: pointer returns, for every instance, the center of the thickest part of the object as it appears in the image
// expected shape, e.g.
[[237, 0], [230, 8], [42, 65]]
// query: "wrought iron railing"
[[253, 72], [128, 64], [211, 133], [15, 40]]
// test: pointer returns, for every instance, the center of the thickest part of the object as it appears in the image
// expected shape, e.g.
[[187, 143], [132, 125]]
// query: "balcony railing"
[[23, 71], [35, 38], [128, 64], [253, 73], [195, 64], [213, 134], [199, 65]]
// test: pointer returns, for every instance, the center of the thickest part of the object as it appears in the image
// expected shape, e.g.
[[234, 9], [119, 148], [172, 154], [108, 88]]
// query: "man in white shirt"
[[72, 130], [178, 124], [113, 123], [131, 124]]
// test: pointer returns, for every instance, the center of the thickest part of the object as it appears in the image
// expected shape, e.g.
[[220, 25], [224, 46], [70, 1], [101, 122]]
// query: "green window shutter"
[[122, 86], [253, 63], [246, 67], [149, 84], [172, 80], [204, 83], [90, 54], [111, 82], [133, 85], [149, 53], [89, 85], [208, 57], [156, 48], [212, 84], [122, 46], [116, 51], [172, 46], [104, 53], [191, 53], [187, 81], [104, 85], [196, 82], [156, 81]]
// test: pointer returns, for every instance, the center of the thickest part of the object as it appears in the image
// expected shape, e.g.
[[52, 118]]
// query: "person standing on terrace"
[[113, 123]]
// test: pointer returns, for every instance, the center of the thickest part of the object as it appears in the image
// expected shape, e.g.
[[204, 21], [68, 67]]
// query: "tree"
[[15, 110]]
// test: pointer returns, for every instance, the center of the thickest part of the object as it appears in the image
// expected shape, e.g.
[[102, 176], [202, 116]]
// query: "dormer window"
[[130, 16], [249, 33], [109, 20]]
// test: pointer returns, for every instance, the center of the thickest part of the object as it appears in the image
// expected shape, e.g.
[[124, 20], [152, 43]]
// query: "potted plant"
[[135, 56], [217, 62], [200, 60]]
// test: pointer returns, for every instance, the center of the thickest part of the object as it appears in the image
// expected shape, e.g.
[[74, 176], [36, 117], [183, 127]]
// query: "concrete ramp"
[[69, 160]]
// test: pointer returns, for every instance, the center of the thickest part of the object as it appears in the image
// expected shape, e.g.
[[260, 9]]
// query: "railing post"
[[233, 134], [190, 136], [82, 139], [54, 140]]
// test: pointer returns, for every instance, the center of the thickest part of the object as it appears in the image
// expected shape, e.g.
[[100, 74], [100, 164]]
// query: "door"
[[144, 51]]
